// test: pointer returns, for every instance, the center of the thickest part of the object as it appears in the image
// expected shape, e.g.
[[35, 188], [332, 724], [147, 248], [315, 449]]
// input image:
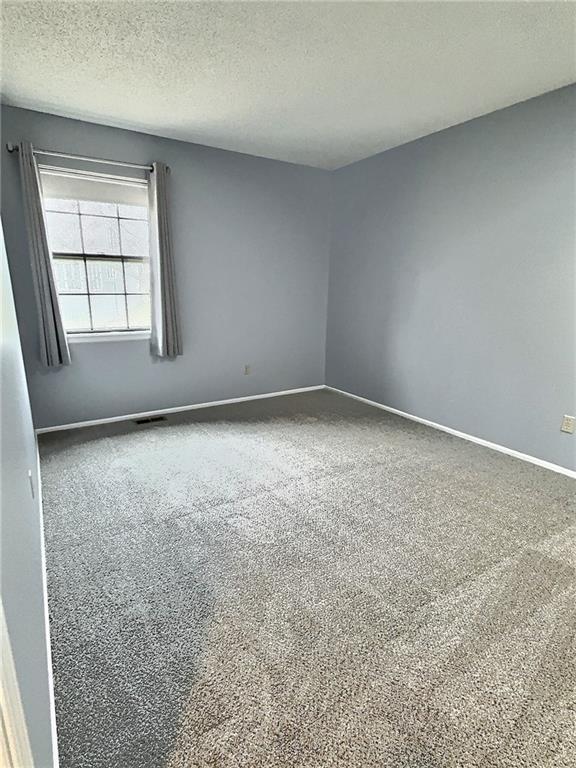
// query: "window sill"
[[90, 338]]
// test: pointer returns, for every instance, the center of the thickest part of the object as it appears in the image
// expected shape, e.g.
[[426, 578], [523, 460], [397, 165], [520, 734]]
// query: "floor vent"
[[150, 420]]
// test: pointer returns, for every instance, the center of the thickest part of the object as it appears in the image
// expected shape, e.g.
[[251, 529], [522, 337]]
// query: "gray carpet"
[[306, 581]]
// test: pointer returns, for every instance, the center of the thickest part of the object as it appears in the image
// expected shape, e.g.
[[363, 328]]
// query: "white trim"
[[177, 409], [15, 741], [55, 757], [463, 435], [15, 750], [90, 338]]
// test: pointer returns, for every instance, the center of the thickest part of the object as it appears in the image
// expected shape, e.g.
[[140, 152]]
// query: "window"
[[98, 235]]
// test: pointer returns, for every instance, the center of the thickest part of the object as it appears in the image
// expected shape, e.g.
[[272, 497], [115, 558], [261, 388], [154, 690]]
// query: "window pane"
[[102, 209], [70, 275], [75, 312], [64, 232], [108, 312], [100, 235], [134, 236], [105, 276], [139, 311], [137, 276], [133, 212], [52, 204]]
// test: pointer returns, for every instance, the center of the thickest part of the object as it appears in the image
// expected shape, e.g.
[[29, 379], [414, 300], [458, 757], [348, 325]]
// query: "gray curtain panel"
[[166, 340], [54, 350]]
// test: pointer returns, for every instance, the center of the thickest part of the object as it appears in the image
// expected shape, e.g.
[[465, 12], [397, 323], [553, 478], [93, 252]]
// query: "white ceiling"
[[318, 83]]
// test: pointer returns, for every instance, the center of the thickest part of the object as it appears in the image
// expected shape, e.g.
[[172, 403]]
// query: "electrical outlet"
[[568, 424], [247, 370]]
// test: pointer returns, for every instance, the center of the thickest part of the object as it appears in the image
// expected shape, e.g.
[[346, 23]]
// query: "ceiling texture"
[[317, 83]]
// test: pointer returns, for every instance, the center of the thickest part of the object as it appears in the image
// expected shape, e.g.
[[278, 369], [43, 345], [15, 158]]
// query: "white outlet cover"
[[568, 424]]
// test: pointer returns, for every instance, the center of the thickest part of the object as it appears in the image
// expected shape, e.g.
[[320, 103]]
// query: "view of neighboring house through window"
[[100, 252]]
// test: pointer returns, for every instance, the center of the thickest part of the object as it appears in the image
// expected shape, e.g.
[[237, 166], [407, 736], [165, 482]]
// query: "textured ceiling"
[[317, 83]]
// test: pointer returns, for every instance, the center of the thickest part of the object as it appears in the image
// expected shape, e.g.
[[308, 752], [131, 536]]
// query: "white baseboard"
[[463, 435], [177, 409]]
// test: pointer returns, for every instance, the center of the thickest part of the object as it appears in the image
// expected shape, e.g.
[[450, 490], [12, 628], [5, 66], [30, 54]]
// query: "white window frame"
[[98, 335]]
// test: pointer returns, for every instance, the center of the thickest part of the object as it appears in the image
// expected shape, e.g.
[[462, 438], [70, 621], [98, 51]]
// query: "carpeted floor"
[[302, 582]]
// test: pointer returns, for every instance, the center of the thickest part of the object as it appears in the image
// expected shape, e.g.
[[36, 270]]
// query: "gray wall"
[[452, 274], [22, 567], [251, 239], [452, 277]]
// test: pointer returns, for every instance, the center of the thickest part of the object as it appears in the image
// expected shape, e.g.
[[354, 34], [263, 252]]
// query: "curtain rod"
[[14, 148]]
